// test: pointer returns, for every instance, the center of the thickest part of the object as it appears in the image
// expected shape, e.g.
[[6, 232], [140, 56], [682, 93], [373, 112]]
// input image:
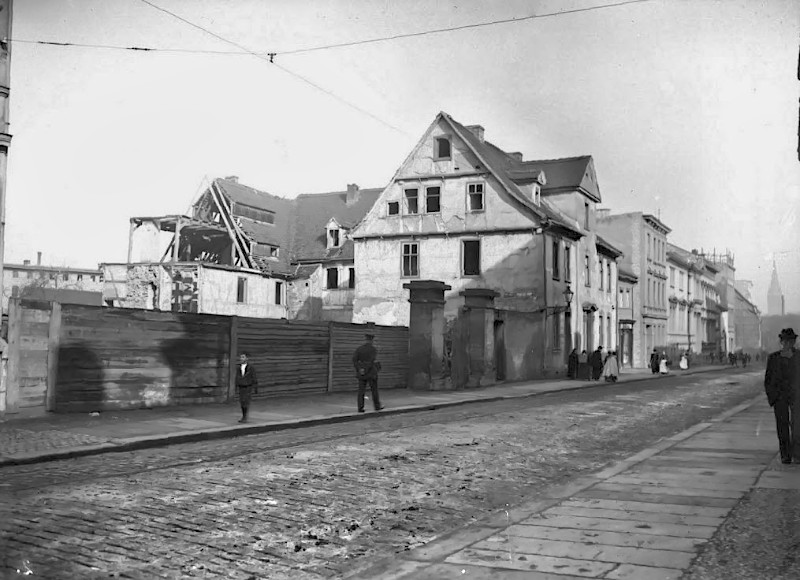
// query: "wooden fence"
[[70, 358]]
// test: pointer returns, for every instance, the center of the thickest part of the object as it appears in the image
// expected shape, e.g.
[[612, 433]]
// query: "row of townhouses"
[[461, 212]]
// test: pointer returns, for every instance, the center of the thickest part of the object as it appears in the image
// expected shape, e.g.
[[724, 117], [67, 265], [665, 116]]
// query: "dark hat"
[[787, 333]]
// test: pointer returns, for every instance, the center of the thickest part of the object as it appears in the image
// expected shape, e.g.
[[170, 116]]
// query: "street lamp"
[[568, 295]]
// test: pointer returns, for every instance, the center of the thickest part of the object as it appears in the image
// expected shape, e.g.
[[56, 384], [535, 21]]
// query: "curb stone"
[[164, 440]]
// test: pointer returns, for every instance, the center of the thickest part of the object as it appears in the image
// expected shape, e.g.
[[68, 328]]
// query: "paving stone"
[[662, 518], [626, 539], [515, 545], [594, 493], [632, 526], [633, 572], [668, 491], [553, 565], [641, 506], [443, 547], [469, 572], [717, 483]]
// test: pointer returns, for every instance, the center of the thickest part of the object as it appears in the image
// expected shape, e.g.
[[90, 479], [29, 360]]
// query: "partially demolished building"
[[244, 252]]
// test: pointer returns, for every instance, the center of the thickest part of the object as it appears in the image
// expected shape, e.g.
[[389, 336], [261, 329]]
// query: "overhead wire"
[[269, 58], [244, 52]]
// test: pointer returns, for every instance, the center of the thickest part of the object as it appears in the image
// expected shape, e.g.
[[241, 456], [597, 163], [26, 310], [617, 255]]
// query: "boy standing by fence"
[[367, 367], [246, 383]]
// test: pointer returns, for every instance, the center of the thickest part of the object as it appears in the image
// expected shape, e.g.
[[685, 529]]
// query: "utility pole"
[[6, 12]]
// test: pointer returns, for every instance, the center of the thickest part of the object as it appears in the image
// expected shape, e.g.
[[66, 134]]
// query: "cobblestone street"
[[321, 502]]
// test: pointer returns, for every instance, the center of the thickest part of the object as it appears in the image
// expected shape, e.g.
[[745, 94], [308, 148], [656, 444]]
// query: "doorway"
[[499, 350]]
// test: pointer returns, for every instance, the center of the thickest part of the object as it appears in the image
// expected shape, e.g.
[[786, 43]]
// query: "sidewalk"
[[646, 517], [63, 436]]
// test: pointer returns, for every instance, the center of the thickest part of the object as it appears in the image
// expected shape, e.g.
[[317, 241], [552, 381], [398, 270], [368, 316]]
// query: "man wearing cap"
[[246, 383], [367, 367], [782, 384]]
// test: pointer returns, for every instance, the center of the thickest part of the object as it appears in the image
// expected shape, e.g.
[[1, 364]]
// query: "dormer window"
[[333, 237], [536, 194], [441, 148]]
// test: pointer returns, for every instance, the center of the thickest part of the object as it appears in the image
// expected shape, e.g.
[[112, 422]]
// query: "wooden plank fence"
[[71, 358]]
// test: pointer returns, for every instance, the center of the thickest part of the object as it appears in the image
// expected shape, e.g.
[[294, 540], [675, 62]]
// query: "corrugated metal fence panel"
[[392, 345], [113, 358], [289, 357]]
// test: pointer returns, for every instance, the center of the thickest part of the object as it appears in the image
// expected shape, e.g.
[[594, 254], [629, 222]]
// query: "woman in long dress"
[[662, 365], [611, 368], [684, 364]]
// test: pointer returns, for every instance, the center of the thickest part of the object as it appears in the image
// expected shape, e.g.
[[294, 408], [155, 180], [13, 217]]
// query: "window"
[[608, 277], [441, 148], [241, 290], [600, 328], [649, 244], [333, 238], [410, 259], [352, 280], [602, 273], [471, 257], [15, 273], [557, 332], [671, 277], [394, 208], [273, 251], [587, 270], [64, 277], [412, 201], [475, 197], [608, 334], [432, 199], [680, 280], [80, 276], [556, 258], [278, 292], [567, 264], [332, 278], [94, 278], [586, 216]]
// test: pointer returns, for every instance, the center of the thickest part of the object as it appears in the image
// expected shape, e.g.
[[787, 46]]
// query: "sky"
[[689, 108]]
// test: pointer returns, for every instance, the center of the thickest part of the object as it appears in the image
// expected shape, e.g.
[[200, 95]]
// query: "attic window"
[[441, 148], [394, 208], [412, 201], [253, 213], [334, 238], [537, 194]]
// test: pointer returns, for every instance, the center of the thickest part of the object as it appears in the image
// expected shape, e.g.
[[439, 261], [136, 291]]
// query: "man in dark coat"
[[246, 383], [782, 384], [572, 364], [597, 363], [367, 367], [655, 361]]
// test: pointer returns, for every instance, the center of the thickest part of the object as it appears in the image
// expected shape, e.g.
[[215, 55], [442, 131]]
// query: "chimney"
[[26, 262], [477, 130], [38, 258], [233, 178], [352, 193], [516, 155]]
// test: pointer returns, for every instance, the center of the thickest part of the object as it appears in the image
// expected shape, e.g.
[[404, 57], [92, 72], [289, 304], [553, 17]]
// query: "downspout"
[[545, 226]]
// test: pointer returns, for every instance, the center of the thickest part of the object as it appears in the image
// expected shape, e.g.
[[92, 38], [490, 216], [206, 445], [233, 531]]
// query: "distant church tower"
[[775, 305]]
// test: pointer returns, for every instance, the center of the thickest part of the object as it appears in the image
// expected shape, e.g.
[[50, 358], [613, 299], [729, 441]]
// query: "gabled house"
[[324, 277], [462, 211]]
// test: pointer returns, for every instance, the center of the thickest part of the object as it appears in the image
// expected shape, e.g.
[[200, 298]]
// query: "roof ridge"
[[360, 189], [572, 158]]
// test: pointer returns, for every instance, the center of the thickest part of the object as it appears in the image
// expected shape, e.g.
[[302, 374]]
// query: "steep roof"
[[276, 234], [608, 247], [498, 162], [566, 174], [312, 213]]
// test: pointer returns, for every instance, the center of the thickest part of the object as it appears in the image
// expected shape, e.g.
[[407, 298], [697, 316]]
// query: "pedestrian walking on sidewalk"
[[782, 384], [597, 363], [611, 367], [572, 364], [654, 362], [367, 368], [246, 383], [663, 364], [684, 364]]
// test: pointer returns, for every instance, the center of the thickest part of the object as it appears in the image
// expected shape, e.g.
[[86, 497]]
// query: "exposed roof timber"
[[168, 223]]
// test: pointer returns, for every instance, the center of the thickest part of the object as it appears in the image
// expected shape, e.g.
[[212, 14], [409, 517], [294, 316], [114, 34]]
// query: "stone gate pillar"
[[480, 316], [426, 335]]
